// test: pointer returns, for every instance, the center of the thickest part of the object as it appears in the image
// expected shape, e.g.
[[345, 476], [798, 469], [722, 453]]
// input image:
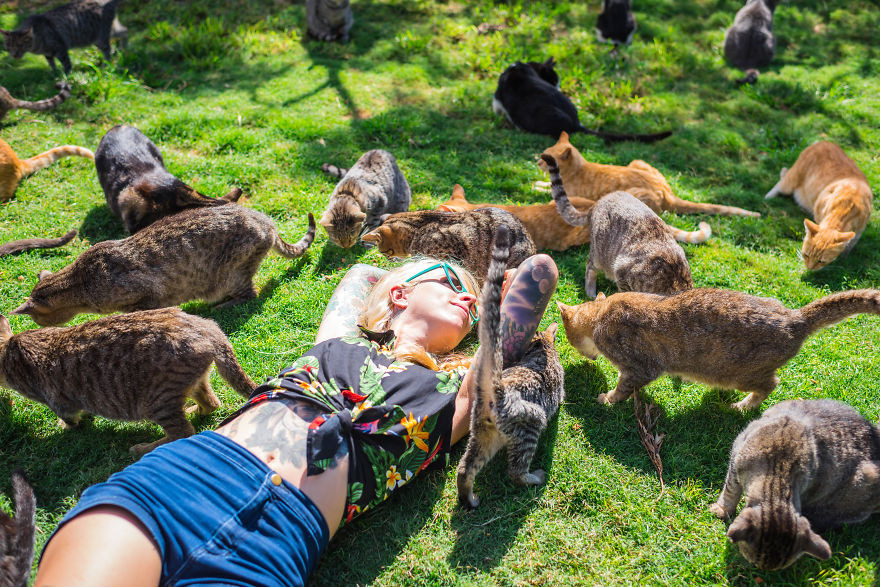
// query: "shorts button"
[[276, 479]]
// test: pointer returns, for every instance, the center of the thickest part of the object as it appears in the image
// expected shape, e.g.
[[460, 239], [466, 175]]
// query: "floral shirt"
[[393, 418]]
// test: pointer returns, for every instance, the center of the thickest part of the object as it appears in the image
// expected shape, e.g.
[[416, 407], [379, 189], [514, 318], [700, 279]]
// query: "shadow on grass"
[[100, 224]]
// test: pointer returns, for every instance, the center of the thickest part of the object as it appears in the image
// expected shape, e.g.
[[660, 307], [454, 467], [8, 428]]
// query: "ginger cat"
[[830, 186], [593, 180], [13, 169]]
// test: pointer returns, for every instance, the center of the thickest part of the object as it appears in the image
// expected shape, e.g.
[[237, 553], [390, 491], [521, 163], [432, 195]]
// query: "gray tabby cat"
[[142, 365], [29, 244], [202, 253], [749, 43], [17, 535], [803, 466], [511, 407], [7, 102], [78, 24], [373, 187], [329, 20]]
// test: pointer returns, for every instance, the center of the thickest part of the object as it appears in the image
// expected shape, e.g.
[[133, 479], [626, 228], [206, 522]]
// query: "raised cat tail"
[[834, 308], [617, 137], [48, 103], [331, 169], [18, 535], [693, 237], [34, 164], [28, 244], [564, 206], [295, 250], [228, 366]]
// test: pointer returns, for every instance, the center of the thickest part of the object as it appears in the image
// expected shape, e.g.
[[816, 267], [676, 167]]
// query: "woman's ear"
[[399, 294]]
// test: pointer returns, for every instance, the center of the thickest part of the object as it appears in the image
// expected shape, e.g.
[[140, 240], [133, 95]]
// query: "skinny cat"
[[510, 407], [616, 24], [749, 43], [138, 188], [13, 169], [374, 186], [804, 466], [463, 236], [202, 253], [722, 338], [28, 244], [534, 104], [830, 186], [329, 20], [17, 535], [142, 365], [78, 24], [7, 102], [593, 180]]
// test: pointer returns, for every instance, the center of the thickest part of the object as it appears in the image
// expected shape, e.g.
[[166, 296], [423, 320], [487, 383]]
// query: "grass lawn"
[[234, 94]]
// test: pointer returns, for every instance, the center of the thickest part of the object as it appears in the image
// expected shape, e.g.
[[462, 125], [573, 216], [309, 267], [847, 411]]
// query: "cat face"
[[343, 222], [821, 247], [578, 323], [774, 536], [388, 241], [18, 42], [43, 313], [563, 152]]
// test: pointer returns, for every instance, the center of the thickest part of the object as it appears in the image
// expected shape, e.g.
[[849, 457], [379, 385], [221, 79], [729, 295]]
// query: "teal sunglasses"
[[455, 282]]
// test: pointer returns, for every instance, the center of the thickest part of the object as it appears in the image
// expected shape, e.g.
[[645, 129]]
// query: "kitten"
[[593, 180], [374, 186], [803, 466], [749, 43], [616, 24], [138, 188], [142, 365], [830, 186], [463, 236], [203, 253], [13, 169], [533, 104], [28, 244], [78, 24], [510, 407], [722, 338], [329, 20], [17, 535], [7, 102]]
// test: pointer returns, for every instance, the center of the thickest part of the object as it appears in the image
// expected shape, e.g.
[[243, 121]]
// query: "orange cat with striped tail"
[[13, 169]]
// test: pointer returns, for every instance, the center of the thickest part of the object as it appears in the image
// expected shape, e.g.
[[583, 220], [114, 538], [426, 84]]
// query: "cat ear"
[[812, 227], [742, 528], [843, 237], [5, 329], [812, 543], [550, 62], [566, 154], [43, 275], [599, 297], [457, 192], [384, 217], [563, 138], [358, 216], [552, 329]]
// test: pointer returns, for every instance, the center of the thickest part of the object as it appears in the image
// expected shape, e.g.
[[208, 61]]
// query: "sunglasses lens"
[[453, 279]]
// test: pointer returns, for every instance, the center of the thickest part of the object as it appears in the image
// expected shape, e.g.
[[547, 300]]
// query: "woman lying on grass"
[[360, 414]]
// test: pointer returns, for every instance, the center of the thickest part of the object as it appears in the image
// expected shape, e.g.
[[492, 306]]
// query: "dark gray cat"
[[804, 466], [17, 535], [78, 24], [749, 43], [510, 407], [373, 187], [202, 253], [329, 20]]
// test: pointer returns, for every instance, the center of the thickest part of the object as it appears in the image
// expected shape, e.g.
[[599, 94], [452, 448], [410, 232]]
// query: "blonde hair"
[[379, 312]]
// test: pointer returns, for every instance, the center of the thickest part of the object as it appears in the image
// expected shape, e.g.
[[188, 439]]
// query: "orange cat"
[[593, 180], [830, 186], [13, 169]]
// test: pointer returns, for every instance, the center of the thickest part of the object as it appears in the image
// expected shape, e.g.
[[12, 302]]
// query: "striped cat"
[[17, 535], [13, 169], [7, 102]]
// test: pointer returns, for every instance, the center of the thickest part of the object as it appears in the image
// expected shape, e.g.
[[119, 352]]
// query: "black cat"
[[617, 23]]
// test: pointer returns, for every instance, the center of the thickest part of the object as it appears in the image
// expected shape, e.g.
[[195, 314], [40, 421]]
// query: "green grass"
[[234, 94]]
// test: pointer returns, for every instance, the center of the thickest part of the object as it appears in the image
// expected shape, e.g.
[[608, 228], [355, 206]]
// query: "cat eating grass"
[[13, 169]]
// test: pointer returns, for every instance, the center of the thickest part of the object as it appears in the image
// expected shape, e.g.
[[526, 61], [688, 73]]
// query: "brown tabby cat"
[[17, 536], [137, 366], [28, 244], [7, 102], [13, 169], [723, 338], [593, 180], [830, 186], [202, 253]]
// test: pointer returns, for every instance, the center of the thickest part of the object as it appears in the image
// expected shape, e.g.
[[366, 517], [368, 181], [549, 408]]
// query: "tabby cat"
[[722, 338], [749, 43], [374, 186], [17, 535], [142, 365], [329, 20], [804, 466], [202, 253], [138, 188], [510, 407], [78, 24], [29, 244], [463, 236], [13, 169], [7, 102], [593, 180], [829, 186], [616, 24]]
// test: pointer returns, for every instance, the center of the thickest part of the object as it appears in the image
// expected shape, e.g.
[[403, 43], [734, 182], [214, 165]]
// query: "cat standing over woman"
[[7, 102], [829, 186], [13, 169], [329, 20], [78, 24]]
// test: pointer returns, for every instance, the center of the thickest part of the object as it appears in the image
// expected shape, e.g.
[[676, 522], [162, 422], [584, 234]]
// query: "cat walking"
[[17, 535], [7, 102], [13, 169]]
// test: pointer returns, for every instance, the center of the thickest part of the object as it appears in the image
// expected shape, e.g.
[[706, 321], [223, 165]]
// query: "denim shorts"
[[216, 514]]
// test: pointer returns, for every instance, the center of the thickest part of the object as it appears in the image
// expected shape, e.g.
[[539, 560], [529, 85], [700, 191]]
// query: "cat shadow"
[[100, 224], [334, 258]]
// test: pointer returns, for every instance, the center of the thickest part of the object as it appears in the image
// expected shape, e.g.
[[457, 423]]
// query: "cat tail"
[[19, 555], [617, 137], [695, 237], [677, 204], [750, 77], [229, 368], [34, 164], [295, 250], [564, 206], [28, 244], [834, 308], [48, 103], [331, 169]]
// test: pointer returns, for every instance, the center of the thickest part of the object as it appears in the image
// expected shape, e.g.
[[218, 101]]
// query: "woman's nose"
[[469, 298]]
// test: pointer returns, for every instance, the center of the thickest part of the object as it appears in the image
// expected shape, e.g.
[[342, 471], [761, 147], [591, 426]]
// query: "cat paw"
[[717, 509], [469, 501], [602, 398], [536, 477]]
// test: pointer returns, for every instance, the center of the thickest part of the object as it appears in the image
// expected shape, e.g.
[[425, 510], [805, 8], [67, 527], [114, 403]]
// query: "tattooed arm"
[[348, 301], [523, 306]]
